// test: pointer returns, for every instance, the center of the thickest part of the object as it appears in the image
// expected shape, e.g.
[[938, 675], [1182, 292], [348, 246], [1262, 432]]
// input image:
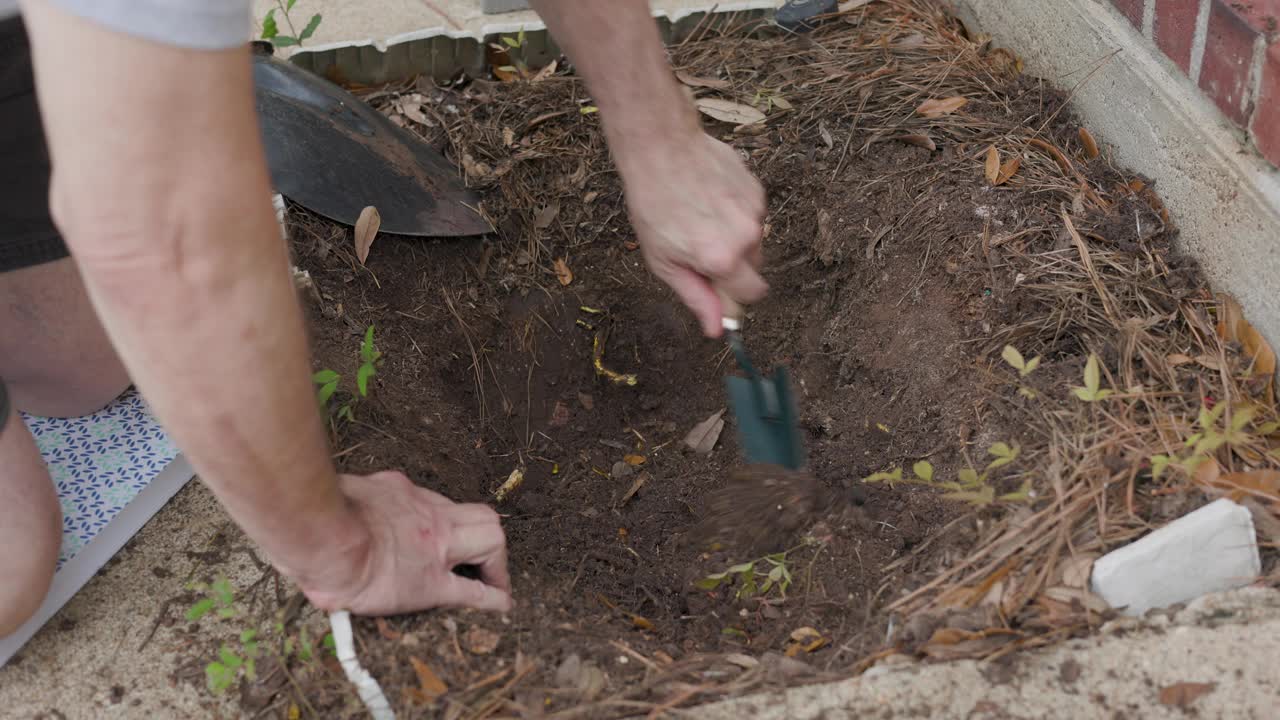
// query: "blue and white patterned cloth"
[[100, 463]]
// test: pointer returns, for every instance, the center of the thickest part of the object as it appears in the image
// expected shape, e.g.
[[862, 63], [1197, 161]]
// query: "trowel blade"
[[333, 154], [766, 416]]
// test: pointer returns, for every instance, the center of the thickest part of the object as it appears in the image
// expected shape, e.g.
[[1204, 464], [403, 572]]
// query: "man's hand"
[[413, 538], [697, 212]]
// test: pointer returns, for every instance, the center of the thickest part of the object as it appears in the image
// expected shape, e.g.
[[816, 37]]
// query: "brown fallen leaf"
[[563, 273], [430, 684], [923, 141], [1176, 359], [1055, 153], [586, 401], [641, 622], [702, 438], [1184, 694], [366, 230], [508, 137], [1091, 150], [729, 111], [937, 107], [993, 165], [806, 639], [638, 483], [780, 102], [825, 135], [480, 641], [953, 643], [547, 71], [1263, 484], [559, 415], [546, 215], [385, 630], [702, 82], [633, 459], [1008, 170], [411, 107], [1233, 327]]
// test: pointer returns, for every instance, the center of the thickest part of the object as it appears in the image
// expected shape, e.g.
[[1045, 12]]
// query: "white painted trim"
[[1199, 41], [1149, 19]]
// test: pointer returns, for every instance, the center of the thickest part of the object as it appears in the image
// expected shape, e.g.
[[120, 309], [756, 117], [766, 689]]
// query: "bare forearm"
[[615, 46], [161, 190]]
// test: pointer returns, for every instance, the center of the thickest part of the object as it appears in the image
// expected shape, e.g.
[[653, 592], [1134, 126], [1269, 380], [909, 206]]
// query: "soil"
[[887, 298]]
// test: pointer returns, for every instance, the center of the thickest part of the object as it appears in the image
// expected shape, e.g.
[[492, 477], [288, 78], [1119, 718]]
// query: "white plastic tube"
[[368, 689]]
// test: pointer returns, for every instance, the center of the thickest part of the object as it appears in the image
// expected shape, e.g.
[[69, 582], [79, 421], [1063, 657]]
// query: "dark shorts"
[[27, 234]]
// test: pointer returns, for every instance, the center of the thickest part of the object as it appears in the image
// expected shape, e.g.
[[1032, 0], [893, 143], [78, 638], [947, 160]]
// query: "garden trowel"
[[763, 405]]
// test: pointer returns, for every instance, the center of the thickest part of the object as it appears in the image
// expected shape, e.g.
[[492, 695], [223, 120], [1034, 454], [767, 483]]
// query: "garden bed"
[[904, 254]]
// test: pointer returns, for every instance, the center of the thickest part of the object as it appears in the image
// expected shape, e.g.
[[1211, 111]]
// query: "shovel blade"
[[766, 415]]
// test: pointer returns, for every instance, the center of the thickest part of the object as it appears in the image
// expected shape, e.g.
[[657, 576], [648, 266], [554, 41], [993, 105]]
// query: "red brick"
[[1261, 15], [1266, 118], [1228, 54], [1131, 9], [1175, 29]]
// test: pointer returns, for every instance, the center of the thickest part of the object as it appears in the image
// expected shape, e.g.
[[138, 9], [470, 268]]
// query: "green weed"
[[327, 381], [757, 577], [970, 485], [271, 27]]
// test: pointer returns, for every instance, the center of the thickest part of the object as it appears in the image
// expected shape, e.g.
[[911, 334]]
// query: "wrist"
[[666, 123], [338, 554]]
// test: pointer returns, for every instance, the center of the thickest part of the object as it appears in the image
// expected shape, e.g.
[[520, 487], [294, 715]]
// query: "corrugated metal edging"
[[442, 57]]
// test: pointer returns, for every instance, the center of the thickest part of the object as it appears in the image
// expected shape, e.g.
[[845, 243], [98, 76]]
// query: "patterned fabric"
[[100, 463]]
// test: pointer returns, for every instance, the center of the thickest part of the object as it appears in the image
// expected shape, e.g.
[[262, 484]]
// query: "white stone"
[[1209, 550]]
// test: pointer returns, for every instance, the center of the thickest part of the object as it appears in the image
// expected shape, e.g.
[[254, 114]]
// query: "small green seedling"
[[327, 381], [518, 66], [221, 673], [970, 485], [1203, 444], [1023, 366], [219, 596], [1092, 382], [271, 28], [772, 568]]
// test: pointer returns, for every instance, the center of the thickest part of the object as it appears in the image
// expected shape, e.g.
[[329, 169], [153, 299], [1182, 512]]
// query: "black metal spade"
[[334, 155]]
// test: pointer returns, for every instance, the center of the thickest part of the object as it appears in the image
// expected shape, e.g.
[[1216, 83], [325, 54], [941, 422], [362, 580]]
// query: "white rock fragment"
[[1209, 550]]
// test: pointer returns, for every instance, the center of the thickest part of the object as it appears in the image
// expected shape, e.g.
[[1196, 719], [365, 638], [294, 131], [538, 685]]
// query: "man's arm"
[[160, 187], [696, 209]]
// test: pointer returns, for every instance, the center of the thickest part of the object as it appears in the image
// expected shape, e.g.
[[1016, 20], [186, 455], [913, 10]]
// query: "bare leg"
[[30, 526], [54, 355]]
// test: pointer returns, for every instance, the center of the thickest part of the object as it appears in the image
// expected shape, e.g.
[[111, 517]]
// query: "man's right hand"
[[413, 538]]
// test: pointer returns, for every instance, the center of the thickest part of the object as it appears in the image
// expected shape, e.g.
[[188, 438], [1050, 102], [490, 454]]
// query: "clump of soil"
[[899, 265]]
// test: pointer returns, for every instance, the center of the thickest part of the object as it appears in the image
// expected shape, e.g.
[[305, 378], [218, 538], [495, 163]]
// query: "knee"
[[30, 529]]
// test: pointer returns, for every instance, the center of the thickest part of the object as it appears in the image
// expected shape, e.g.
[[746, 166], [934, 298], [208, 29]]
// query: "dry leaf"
[[1233, 327], [546, 215], [1090, 145], [702, 438], [848, 5], [780, 102], [587, 402], [1207, 472], [825, 135], [563, 273], [633, 459], [937, 107], [641, 622], [1077, 569], [1055, 153], [412, 109], [366, 230], [1177, 359], [385, 630], [547, 71], [1257, 483], [508, 137], [923, 141], [1008, 170], [513, 481], [728, 111], [480, 641], [1184, 694], [806, 639], [638, 483], [952, 643], [993, 164], [559, 415], [431, 686], [702, 82]]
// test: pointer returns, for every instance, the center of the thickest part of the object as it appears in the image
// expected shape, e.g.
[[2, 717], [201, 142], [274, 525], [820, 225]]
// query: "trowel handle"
[[731, 311]]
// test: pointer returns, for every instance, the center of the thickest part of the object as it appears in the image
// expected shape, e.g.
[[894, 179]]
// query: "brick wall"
[[1230, 48]]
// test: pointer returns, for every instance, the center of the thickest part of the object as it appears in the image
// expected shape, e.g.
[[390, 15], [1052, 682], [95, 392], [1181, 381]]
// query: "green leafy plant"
[[327, 381], [1210, 437], [518, 67], [1023, 366], [221, 673], [271, 27], [969, 486], [756, 577], [219, 597], [1092, 382]]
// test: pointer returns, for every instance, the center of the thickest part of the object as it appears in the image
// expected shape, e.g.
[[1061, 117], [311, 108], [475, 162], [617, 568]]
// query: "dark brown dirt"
[[886, 286]]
